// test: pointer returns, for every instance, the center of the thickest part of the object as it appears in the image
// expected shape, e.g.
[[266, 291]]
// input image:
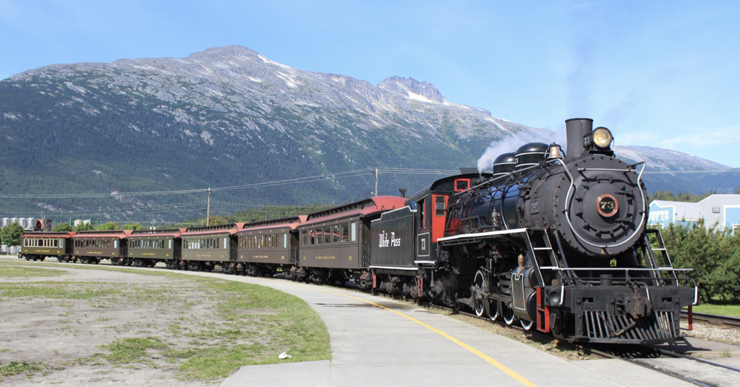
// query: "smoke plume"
[[511, 144]]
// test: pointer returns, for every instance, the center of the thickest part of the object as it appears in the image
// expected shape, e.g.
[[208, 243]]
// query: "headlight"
[[602, 137]]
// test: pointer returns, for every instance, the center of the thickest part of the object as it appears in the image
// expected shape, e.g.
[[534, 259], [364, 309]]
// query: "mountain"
[[142, 139], [679, 172], [225, 117]]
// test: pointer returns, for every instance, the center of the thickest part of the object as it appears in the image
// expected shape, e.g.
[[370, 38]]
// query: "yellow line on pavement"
[[478, 353]]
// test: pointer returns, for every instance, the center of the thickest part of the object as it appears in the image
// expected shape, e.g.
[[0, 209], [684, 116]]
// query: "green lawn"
[[718, 308]]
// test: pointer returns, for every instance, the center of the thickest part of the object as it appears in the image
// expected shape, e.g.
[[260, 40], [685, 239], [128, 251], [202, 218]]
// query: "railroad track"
[[708, 373], [713, 318]]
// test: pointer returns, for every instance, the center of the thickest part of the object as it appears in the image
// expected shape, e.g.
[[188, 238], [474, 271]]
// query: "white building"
[[720, 210]]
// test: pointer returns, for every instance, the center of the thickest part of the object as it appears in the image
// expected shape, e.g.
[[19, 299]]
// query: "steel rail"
[[713, 318]]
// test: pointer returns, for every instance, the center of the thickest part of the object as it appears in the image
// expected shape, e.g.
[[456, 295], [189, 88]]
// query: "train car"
[[149, 247], [554, 241], [204, 248], [405, 241], [93, 246], [36, 246], [267, 247], [335, 243]]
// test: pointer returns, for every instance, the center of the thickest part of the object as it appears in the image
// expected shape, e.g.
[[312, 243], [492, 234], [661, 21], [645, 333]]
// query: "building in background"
[[79, 222], [722, 211], [28, 224]]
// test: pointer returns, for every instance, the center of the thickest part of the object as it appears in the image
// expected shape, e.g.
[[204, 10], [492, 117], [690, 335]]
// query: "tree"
[[110, 226], [132, 226], [84, 227], [63, 227], [710, 252], [217, 220], [11, 234]]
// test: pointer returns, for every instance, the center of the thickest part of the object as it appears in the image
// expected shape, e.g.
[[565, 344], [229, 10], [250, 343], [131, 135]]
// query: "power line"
[[298, 180], [691, 172]]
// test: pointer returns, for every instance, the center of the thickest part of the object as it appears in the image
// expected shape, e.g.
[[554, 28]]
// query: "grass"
[[51, 289], [79, 266], [259, 324], [219, 325], [19, 367], [132, 349], [22, 272], [719, 308]]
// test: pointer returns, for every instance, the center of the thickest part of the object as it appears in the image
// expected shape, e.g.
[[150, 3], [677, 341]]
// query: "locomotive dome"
[[504, 164], [530, 154]]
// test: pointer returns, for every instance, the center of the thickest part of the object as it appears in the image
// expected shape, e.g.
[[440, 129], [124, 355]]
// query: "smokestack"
[[576, 129]]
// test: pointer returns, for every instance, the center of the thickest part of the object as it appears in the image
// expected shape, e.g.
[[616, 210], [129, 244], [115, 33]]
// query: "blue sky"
[[658, 73]]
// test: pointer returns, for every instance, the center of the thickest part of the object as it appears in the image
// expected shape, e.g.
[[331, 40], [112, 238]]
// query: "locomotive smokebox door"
[[393, 239]]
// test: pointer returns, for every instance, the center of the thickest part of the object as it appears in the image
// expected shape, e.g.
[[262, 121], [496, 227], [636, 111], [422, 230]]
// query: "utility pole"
[[377, 176], [208, 208]]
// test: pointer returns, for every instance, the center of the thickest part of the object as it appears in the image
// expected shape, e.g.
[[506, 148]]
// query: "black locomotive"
[[557, 241]]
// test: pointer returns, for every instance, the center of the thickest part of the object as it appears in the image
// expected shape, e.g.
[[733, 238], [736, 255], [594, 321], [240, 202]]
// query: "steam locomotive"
[[554, 240]]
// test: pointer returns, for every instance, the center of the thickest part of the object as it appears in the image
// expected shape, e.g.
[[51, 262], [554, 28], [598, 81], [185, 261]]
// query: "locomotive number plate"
[[607, 205]]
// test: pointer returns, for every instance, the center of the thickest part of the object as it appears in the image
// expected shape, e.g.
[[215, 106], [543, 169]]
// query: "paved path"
[[379, 342]]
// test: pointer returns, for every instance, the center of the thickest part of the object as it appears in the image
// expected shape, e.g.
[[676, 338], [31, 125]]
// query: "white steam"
[[511, 144]]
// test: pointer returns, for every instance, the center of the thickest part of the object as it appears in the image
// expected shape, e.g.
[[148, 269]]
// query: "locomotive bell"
[[554, 152]]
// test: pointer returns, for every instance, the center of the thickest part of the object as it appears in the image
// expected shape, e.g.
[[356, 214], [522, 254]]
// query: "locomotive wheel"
[[527, 325], [479, 306], [508, 314], [493, 313]]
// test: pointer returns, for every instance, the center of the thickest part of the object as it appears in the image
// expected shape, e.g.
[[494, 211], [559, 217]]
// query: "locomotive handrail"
[[486, 234], [494, 178], [531, 247], [570, 191], [615, 268], [604, 169]]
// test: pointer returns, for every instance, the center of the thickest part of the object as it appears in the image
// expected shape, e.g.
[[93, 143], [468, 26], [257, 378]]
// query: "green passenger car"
[[203, 248], [92, 246], [36, 246], [149, 247]]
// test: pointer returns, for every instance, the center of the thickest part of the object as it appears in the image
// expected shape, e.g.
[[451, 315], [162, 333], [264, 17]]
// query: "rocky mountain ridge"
[[224, 117]]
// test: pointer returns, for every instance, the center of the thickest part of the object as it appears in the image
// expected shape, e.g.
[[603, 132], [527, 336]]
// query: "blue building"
[[720, 210]]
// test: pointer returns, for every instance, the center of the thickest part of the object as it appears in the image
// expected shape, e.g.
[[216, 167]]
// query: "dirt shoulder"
[[68, 325]]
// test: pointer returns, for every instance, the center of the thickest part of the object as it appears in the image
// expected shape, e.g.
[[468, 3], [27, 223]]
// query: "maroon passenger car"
[[267, 247], [92, 246], [335, 243]]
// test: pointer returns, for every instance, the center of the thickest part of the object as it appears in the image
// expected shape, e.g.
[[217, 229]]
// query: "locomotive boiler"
[[554, 239]]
